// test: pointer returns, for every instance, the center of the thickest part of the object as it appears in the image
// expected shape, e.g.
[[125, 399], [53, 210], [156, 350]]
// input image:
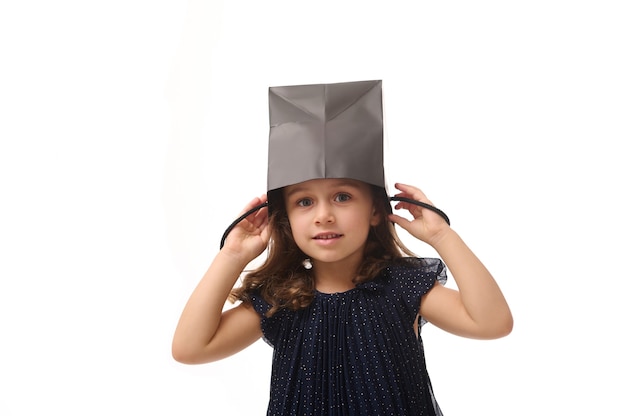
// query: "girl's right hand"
[[250, 236]]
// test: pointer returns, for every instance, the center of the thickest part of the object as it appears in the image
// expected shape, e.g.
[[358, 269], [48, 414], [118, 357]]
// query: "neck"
[[335, 277]]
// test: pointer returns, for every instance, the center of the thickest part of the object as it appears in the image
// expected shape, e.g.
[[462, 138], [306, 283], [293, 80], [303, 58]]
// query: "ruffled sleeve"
[[413, 277], [269, 326], [260, 305]]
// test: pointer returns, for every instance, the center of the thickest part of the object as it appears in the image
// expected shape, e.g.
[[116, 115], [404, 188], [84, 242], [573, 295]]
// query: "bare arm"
[[478, 309], [204, 333]]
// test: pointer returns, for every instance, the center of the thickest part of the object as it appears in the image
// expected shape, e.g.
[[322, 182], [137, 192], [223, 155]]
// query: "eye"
[[304, 202], [343, 197]]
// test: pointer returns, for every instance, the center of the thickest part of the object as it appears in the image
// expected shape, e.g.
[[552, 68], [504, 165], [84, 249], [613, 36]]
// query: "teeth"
[[326, 237]]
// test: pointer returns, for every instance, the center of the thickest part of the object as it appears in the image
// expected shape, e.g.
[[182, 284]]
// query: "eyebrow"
[[303, 188]]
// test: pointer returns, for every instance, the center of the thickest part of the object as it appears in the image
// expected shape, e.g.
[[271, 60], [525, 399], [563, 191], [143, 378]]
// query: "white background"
[[133, 132]]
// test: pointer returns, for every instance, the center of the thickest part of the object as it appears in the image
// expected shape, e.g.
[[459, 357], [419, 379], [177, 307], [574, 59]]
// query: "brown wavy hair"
[[283, 281]]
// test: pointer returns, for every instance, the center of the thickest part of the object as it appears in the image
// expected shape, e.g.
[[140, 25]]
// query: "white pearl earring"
[[307, 264]]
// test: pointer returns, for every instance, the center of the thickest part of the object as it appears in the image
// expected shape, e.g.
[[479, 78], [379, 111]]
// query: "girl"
[[340, 298]]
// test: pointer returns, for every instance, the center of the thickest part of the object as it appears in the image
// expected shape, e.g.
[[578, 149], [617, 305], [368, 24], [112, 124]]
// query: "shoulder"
[[411, 277], [415, 270], [258, 302]]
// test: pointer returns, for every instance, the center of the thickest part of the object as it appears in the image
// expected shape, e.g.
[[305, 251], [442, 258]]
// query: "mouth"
[[327, 236]]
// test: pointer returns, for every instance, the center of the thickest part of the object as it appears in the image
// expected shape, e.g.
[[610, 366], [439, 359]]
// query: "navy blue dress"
[[355, 352]]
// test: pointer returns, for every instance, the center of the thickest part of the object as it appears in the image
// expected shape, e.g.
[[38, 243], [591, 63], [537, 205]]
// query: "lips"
[[327, 236]]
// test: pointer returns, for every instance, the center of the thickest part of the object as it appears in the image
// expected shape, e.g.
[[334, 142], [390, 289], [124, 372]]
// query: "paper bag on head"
[[322, 131], [326, 131]]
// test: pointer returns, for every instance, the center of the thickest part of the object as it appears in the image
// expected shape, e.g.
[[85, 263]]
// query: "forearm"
[[480, 295], [202, 314]]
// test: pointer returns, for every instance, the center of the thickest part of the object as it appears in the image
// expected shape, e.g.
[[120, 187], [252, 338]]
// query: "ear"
[[375, 218]]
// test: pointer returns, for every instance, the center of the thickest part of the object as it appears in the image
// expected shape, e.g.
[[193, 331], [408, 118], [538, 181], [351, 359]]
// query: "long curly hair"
[[283, 281]]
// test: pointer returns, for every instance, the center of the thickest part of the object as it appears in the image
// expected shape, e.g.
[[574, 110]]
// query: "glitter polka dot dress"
[[355, 352]]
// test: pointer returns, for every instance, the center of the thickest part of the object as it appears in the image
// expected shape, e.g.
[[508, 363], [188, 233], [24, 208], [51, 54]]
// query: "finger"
[[403, 186], [411, 192], [410, 189], [414, 211], [260, 218], [401, 221], [253, 203], [251, 210]]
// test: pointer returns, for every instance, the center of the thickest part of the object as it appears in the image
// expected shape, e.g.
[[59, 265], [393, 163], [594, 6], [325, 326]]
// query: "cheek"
[[300, 235], [362, 221], [297, 227]]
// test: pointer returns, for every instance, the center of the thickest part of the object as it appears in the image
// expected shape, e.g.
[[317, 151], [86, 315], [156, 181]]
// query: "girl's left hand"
[[426, 225]]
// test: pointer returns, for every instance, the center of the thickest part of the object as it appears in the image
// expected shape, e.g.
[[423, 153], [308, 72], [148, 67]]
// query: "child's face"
[[330, 218]]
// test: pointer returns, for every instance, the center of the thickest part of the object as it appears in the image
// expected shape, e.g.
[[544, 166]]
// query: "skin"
[[330, 219]]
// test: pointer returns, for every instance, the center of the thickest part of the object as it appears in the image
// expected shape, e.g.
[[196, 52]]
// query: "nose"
[[324, 213]]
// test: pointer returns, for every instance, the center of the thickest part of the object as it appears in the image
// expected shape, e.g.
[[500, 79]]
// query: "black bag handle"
[[393, 198]]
